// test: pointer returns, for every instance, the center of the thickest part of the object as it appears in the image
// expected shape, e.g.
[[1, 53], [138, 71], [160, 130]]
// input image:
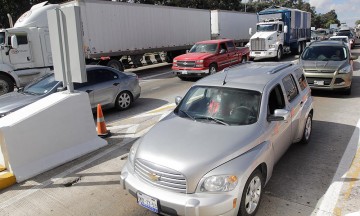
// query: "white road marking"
[[327, 204]]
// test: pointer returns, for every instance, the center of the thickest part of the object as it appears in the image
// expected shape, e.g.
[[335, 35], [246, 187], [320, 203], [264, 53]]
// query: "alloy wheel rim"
[[124, 100], [308, 128], [212, 70], [252, 197]]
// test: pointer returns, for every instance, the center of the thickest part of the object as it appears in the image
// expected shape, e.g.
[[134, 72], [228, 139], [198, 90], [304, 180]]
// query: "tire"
[[6, 85], [347, 91], [279, 54], [307, 130], [115, 64], [212, 69], [124, 100], [250, 207], [184, 78], [243, 59], [300, 48]]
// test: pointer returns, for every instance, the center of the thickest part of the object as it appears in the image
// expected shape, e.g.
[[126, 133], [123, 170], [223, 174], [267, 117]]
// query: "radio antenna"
[[226, 70]]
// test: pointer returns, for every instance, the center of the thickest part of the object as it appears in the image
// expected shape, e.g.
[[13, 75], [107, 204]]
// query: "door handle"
[[301, 103], [28, 58], [116, 84], [88, 91]]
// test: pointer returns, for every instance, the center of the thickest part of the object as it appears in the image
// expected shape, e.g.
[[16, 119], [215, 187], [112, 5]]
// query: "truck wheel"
[[300, 48], [115, 64], [6, 85], [252, 194], [279, 54], [212, 69]]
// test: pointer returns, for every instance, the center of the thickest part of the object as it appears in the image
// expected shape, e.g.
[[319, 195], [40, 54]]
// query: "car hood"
[[193, 56], [194, 148], [322, 65], [264, 35], [13, 101]]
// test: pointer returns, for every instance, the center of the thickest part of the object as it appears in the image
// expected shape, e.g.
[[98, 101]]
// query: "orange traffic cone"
[[101, 126]]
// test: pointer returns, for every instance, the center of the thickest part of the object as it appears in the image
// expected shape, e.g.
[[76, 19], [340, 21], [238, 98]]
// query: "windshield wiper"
[[213, 119], [187, 114]]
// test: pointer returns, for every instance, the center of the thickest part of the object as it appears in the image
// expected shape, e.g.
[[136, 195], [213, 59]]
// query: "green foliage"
[[357, 22]]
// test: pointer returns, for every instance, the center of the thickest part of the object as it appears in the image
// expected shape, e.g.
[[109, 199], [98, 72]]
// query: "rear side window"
[[290, 87], [230, 45], [301, 79]]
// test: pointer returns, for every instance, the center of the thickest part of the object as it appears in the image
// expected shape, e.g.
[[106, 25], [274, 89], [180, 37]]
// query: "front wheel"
[[279, 54], [123, 100], [251, 197], [307, 130], [212, 69], [6, 85]]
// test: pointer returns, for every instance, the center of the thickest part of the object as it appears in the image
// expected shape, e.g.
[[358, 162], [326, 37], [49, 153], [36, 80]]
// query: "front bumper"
[[329, 81], [190, 72], [172, 203], [263, 54]]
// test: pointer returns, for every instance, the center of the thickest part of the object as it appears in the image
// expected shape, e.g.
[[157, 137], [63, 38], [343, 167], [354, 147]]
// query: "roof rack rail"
[[280, 67]]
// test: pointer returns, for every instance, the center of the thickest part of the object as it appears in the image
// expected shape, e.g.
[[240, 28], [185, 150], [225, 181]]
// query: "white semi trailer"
[[111, 30]]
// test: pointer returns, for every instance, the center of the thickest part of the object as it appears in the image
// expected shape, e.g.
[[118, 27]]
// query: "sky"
[[347, 10]]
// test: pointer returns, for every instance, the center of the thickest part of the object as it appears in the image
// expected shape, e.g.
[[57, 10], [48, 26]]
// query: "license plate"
[[148, 202], [184, 72], [319, 82], [258, 53]]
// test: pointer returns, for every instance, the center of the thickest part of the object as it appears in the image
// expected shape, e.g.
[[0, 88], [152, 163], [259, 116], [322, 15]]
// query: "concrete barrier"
[[47, 133]]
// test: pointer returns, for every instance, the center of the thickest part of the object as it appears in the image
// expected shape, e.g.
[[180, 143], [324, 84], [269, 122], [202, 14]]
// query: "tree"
[[357, 22]]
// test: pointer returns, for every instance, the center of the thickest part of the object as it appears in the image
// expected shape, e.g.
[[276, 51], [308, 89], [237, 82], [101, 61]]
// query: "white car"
[[345, 39]]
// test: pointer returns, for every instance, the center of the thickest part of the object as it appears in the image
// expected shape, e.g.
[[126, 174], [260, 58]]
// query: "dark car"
[[106, 86]]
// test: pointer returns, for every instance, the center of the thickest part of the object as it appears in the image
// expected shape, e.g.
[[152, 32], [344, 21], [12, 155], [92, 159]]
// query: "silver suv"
[[216, 151]]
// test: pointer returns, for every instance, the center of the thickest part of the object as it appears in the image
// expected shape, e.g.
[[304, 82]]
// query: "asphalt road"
[[90, 185]]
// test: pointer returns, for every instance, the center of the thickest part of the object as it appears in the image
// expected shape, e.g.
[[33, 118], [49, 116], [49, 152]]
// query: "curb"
[[6, 179]]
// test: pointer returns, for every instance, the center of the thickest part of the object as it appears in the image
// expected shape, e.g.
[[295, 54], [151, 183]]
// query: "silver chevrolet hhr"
[[216, 151]]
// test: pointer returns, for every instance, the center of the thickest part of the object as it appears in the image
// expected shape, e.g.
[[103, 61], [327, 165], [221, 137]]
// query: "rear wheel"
[[251, 196], [6, 85], [115, 64], [307, 130], [123, 100]]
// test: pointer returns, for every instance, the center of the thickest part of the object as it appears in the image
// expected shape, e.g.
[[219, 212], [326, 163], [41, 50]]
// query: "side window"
[[223, 46], [230, 46], [290, 87], [301, 79], [103, 75], [280, 28], [22, 39], [276, 100]]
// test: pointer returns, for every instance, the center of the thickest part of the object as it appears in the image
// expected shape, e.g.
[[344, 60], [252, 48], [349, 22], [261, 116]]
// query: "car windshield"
[[218, 105], [325, 53], [204, 48], [41, 86], [267, 27], [320, 32], [345, 33]]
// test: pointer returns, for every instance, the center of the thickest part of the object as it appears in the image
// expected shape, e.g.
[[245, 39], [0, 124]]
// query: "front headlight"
[[346, 69], [132, 152], [219, 183], [272, 46]]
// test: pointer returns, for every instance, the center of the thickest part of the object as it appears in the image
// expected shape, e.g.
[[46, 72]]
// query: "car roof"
[[327, 43], [214, 41], [251, 76]]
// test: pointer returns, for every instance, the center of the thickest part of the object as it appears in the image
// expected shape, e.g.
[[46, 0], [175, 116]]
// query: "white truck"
[[111, 30], [232, 25], [280, 30]]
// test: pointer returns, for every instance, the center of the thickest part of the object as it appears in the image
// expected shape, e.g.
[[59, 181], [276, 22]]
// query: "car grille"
[[257, 44], [310, 80], [319, 71], [160, 176], [186, 64]]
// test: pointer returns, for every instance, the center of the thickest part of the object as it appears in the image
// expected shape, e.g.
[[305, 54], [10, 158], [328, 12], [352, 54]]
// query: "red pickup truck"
[[208, 57]]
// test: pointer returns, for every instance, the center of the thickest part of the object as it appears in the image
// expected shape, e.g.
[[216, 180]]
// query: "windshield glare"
[[42, 86], [325, 53], [204, 48], [228, 105], [267, 27]]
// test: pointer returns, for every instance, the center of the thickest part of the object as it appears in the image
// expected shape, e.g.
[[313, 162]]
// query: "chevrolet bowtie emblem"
[[153, 177], [185, 63]]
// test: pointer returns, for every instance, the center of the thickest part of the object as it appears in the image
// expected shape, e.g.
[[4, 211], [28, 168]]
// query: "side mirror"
[[285, 29], [250, 31], [14, 42], [222, 51], [297, 56], [279, 115], [354, 57], [178, 100]]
